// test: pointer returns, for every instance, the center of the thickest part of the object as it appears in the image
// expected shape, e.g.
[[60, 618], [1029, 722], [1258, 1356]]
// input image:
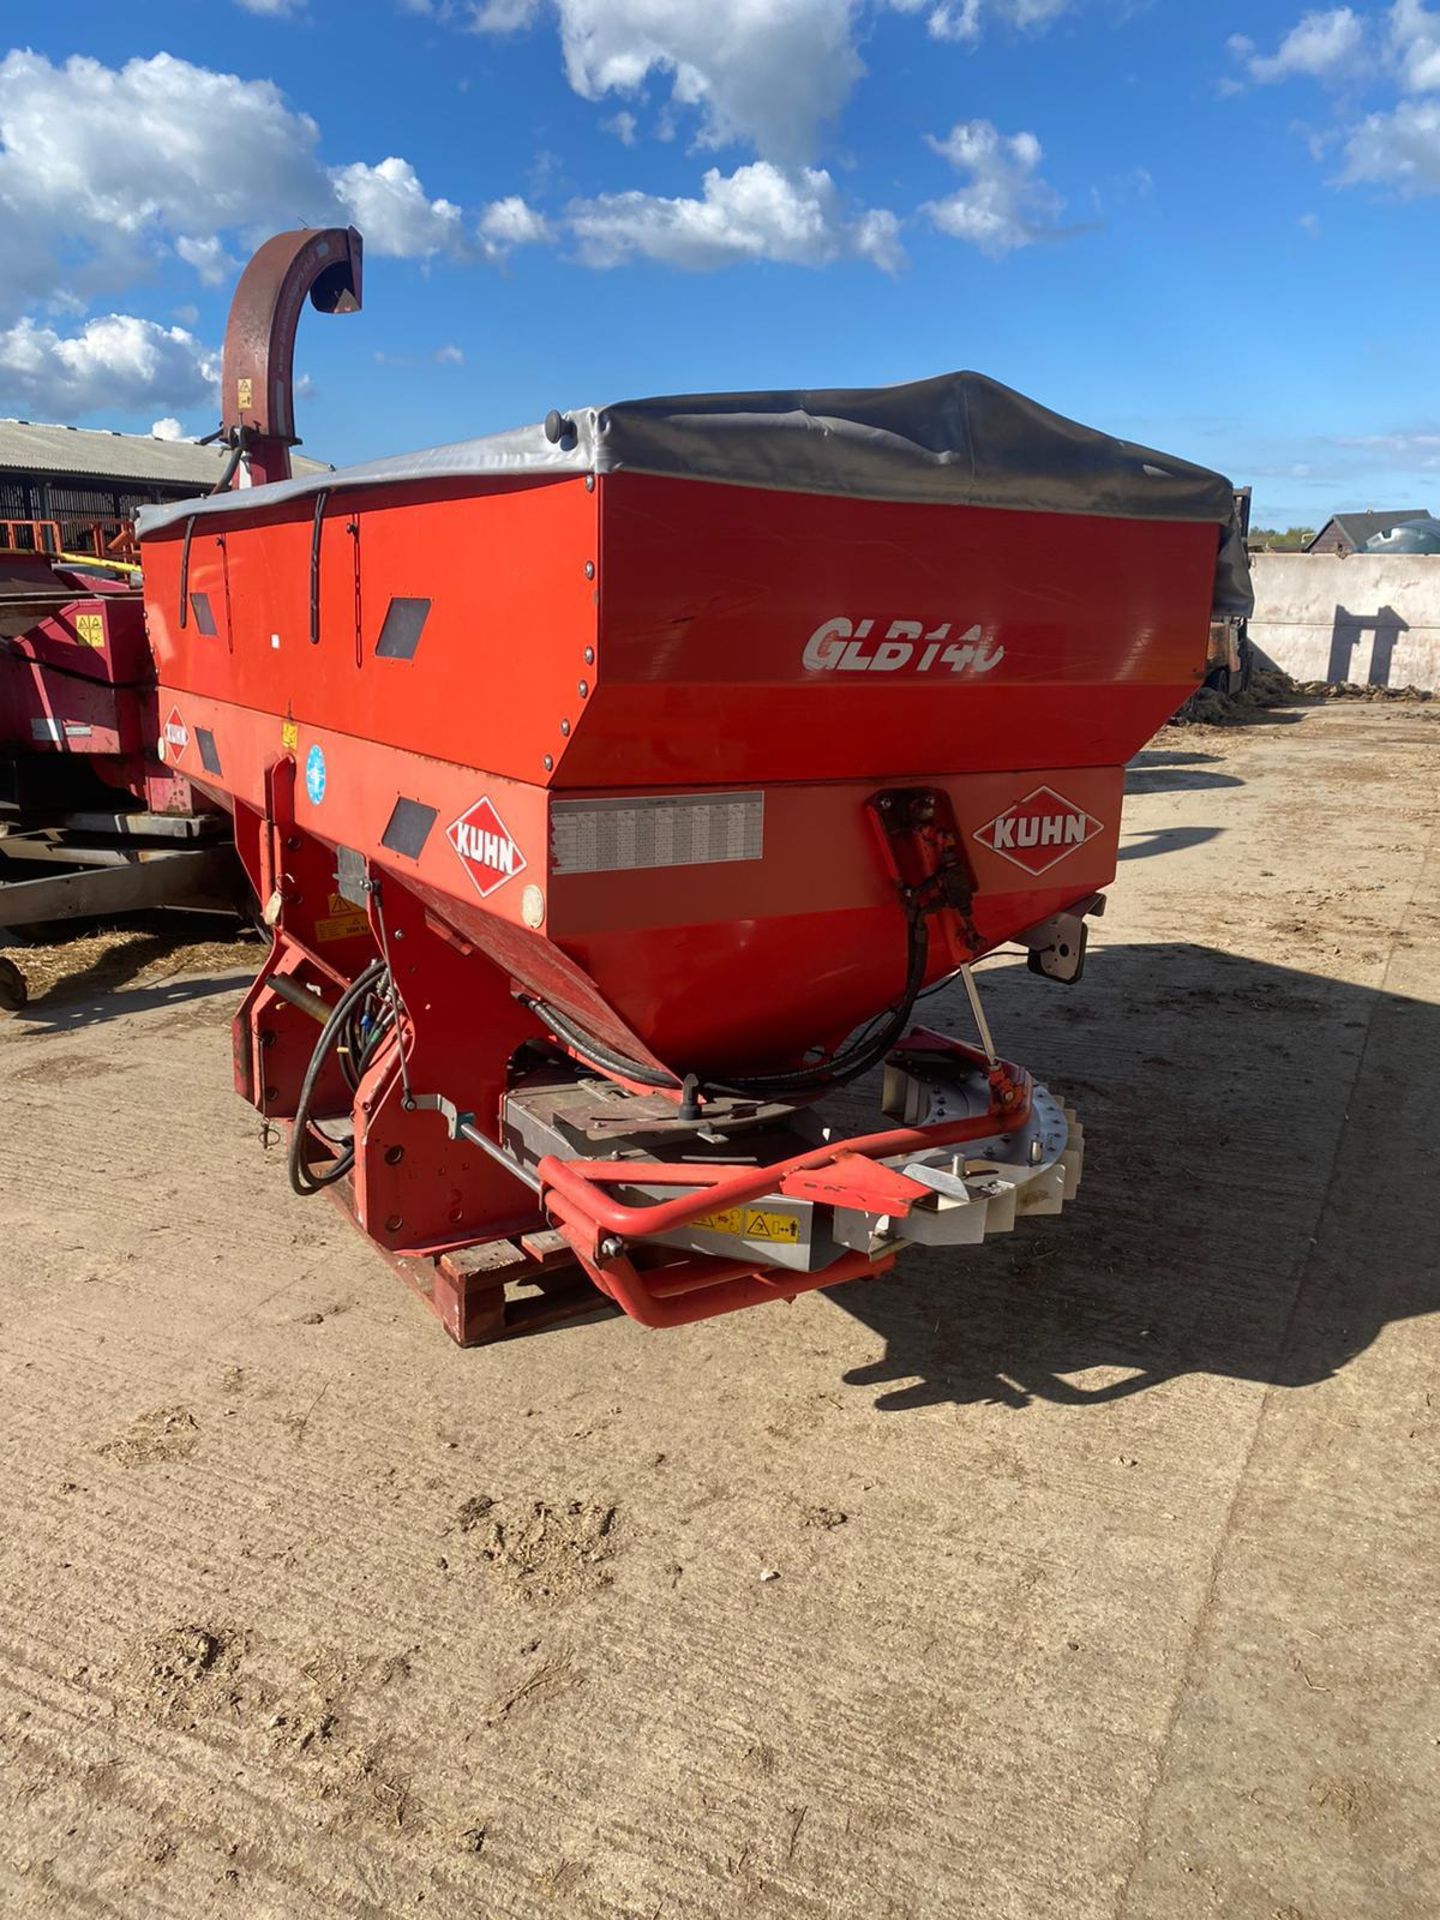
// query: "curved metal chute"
[[257, 387]]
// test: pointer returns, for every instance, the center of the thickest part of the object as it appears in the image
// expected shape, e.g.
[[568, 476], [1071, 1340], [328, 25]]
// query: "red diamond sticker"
[[485, 844], [1039, 831], [176, 736]]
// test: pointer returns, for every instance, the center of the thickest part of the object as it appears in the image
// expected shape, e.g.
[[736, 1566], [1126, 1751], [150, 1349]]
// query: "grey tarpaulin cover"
[[958, 440]]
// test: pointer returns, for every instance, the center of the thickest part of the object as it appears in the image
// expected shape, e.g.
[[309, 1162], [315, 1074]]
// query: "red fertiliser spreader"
[[615, 787]]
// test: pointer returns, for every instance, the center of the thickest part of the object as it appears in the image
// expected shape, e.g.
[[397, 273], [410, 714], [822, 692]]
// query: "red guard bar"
[[701, 1288], [578, 1182]]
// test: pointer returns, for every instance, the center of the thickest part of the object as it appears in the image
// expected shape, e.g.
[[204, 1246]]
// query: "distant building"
[[82, 478], [1348, 532]]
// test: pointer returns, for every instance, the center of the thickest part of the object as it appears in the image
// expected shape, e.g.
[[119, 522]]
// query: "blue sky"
[[1206, 226]]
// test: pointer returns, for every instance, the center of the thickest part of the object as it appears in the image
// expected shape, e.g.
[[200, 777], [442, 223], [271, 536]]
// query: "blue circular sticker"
[[315, 775]]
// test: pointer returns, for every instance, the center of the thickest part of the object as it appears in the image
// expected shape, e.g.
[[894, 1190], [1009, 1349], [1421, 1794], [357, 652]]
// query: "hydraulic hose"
[[303, 1178], [836, 1072], [594, 1053], [863, 1054]]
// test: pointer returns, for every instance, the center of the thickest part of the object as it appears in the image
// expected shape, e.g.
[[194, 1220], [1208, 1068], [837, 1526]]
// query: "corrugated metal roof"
[[29, 447]]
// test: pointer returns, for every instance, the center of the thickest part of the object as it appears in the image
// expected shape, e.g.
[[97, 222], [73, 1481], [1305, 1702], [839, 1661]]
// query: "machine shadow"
[[1175, 773], [1176, 780], [1149, 757], [1292, 713], [1257, 1200], [1143, 844], [78, 1005], [100, 986]]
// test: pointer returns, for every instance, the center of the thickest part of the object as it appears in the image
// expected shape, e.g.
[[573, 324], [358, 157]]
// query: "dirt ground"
[[1105, 1558]]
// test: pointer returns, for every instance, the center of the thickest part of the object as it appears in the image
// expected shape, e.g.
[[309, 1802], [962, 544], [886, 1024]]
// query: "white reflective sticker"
[[659, 830]]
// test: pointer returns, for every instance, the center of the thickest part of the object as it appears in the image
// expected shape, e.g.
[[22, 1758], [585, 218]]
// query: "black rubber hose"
[[799, 1081], [355, 1046], [866, 1053], [303, 1178], [227, 472], [594, 1053]]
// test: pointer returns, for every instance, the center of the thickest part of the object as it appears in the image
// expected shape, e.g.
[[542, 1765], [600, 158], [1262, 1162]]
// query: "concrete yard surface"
[[1105, 1557]]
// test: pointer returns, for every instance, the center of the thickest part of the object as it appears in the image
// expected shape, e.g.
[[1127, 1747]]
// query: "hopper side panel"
[[735, 961], [492, 577], [751, 634]]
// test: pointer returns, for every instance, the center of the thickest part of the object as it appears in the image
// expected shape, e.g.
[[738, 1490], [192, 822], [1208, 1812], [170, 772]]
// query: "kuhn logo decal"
[[843, 646], [485, 844], [1039, 831], [176, 736]]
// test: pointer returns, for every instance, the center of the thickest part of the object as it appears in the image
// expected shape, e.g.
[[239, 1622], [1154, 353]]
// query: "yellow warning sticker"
[[344, 922], [289, 735], [244, 395], [752, 1223], [90, 629]]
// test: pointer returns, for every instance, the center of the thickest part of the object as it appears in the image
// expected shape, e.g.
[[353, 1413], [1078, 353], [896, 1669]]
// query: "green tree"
[[1291, 541]]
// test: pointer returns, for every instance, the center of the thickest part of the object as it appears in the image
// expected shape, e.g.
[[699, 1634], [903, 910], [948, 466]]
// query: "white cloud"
[[1324, 46], [1415, 45], [105, 172], [1341, 44], [875, 237], [1419, 451], [390, 207], [115, 364], [966, 20], [502, 16], [1399, 149], [208, 257], [759, 212], [157, 142], [768, 72], [509, 223], [273, 9], [102, 170], [624, 126], [1005, 204], [448, 355], [167, 429]]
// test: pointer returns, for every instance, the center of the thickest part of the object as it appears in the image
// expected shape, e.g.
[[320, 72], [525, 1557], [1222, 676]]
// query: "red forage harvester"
[[614, 789]]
